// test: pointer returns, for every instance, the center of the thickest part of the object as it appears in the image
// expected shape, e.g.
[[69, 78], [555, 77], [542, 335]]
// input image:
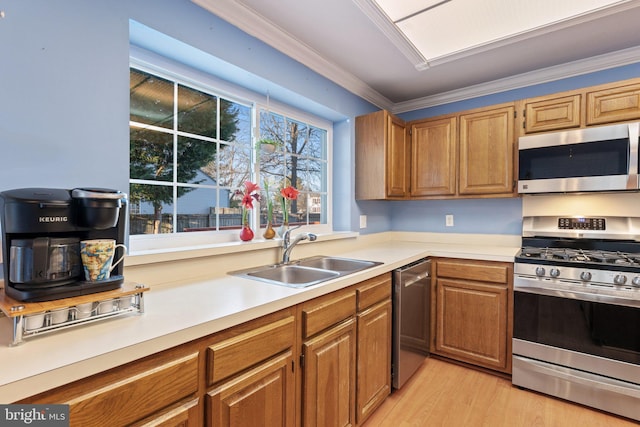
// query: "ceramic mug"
[[97, 258]]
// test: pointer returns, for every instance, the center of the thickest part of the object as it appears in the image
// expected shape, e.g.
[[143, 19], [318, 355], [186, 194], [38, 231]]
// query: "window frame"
[[184, 74]]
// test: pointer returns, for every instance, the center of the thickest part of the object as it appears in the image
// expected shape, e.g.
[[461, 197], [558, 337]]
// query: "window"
[[192, 147], [297, 156]]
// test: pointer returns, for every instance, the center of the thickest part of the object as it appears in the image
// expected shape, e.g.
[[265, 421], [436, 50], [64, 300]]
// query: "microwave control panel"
[[581, 223]]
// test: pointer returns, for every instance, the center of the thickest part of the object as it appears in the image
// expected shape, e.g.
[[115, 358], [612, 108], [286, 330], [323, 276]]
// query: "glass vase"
[[246, 233], [283, 228]]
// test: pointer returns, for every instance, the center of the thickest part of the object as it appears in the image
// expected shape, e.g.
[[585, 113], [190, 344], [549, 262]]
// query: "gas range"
[[576, 311], [595, 256]]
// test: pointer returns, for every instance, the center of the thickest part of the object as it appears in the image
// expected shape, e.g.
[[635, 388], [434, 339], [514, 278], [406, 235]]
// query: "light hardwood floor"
[[445, 394]]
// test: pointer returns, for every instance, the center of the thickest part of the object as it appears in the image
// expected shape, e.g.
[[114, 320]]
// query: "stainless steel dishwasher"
[[411, 308]]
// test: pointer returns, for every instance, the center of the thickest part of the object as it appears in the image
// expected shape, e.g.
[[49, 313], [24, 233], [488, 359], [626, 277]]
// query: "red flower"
[[247, 201], [289, 192], [250, 187]]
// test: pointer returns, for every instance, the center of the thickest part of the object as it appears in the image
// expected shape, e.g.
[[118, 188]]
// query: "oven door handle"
[[605, 383], [571, 294]]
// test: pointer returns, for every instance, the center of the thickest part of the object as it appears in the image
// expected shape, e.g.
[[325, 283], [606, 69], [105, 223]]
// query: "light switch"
[[363, 221]]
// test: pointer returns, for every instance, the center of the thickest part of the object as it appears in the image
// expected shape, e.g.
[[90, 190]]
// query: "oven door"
[[594, 159], [577, 348]]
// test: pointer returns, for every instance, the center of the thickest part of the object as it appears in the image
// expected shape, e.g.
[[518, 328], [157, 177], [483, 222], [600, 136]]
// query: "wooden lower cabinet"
[[473, 312], [328, 377], [374, 358], [251, 373], [263, 396], [325, 362], [346, 349]]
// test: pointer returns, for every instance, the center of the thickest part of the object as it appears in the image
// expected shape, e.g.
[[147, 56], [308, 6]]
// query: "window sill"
[[150, 256]]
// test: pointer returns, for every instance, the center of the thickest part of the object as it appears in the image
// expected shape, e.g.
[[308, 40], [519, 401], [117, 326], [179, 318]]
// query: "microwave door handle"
[[634, 136]]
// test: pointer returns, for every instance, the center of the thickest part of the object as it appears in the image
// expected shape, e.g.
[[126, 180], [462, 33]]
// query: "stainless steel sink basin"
[[292, 275], [305, 272], [343, 265]]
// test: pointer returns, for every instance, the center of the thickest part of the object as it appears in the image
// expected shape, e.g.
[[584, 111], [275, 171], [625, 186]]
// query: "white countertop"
[[175, 314]]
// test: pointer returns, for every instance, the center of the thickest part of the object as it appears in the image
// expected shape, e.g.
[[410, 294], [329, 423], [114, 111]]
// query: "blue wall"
[[64, 101], [64, 85]]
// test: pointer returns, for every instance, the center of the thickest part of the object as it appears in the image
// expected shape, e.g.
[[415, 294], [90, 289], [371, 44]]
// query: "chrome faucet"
[[287, 244]]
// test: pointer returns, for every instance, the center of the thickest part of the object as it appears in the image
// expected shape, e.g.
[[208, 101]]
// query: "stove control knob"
[[620, 279], [636, 281], [540, 271], [585, 276], [554, 272]]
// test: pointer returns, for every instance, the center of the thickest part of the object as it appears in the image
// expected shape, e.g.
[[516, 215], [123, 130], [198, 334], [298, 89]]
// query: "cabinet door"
[[486, 152], [374, 358], [433, 158], [471, 322], [328, 394], [552, 114], [397, 158], [263, 396], [616, 104], [370, 156]]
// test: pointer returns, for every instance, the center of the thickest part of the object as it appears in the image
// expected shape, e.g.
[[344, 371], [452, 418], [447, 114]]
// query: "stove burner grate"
[[581, 256]]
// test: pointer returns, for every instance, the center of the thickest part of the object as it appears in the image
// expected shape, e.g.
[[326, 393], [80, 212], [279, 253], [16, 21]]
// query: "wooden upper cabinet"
[[487, 151], [382, 157], [398, 154], [434, 157], [549, 114], [615, 104]]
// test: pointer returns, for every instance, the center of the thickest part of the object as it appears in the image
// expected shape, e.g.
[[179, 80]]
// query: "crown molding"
[[544, 75], [256, 25]]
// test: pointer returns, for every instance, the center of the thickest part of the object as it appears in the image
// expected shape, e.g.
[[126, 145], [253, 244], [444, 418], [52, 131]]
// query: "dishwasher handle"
[[415, 280]]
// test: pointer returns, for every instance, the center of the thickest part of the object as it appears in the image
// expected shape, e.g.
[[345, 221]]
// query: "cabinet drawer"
[[373, 290], [483, 272], [136, 396], [323, 312], [238, 353]]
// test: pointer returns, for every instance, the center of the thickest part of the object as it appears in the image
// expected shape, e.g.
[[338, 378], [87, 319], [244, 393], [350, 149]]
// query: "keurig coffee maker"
[[41, 233]]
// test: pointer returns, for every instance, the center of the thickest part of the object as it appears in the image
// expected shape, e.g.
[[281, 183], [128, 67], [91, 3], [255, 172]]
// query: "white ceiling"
[[440, 51]]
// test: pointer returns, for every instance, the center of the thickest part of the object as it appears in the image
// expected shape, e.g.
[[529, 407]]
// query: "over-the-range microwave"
[[602, 158]]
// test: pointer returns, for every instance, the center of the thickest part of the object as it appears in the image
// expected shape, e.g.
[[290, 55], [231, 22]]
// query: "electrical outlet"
[[448, 220], [363, 221]]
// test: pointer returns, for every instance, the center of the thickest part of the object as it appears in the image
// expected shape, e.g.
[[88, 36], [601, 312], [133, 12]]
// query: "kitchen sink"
[[305, 272]]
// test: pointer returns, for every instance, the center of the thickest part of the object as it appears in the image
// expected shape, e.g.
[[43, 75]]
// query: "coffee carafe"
[[41, 233]]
